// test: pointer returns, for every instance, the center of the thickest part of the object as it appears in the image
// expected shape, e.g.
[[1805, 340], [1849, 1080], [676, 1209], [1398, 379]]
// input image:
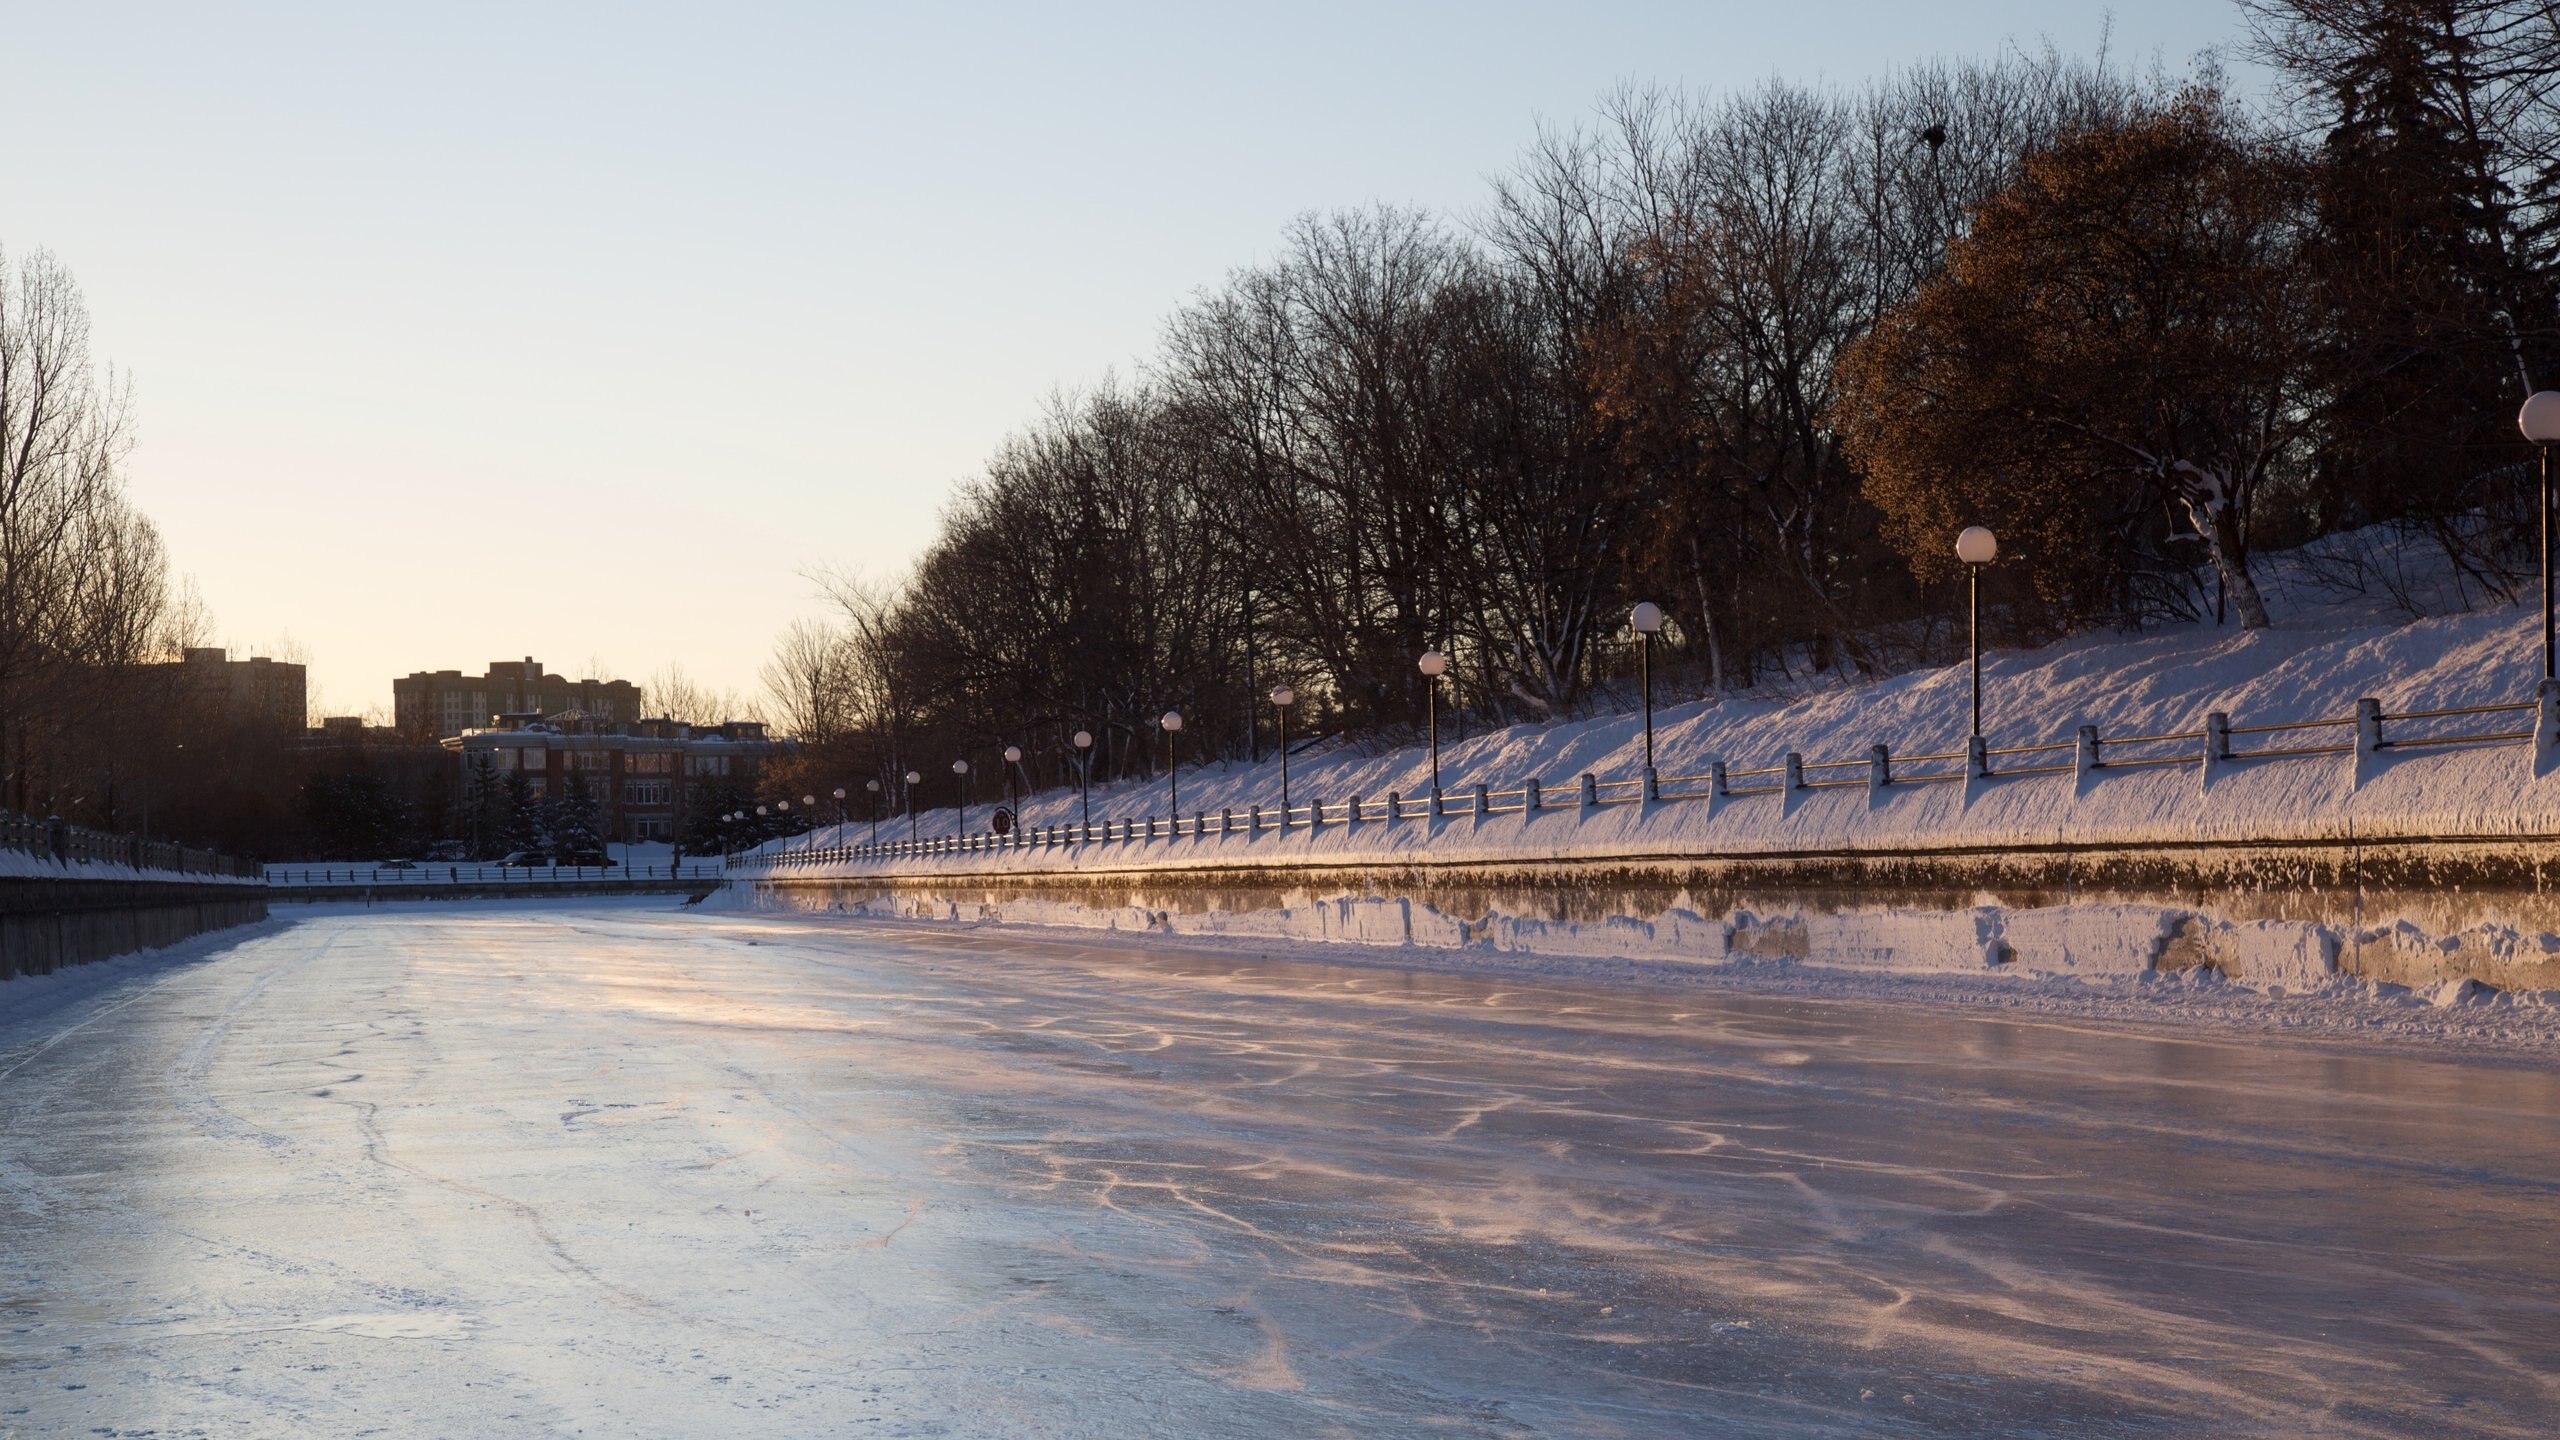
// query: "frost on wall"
[[2095, 943]]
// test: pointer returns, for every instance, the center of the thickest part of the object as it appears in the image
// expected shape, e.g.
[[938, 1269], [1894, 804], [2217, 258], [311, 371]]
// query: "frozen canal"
[[520, 1170]]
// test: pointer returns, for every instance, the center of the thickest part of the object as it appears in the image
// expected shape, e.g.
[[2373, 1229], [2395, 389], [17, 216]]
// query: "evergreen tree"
[[577, 824], [2434, 320], [485, 803], [354, 816], [520, 827], [704, 831]]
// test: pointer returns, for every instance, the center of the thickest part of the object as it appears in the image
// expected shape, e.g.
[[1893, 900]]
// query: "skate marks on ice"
[[526, 1170]]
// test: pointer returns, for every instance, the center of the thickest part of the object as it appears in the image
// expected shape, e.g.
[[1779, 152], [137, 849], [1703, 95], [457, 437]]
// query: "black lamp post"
[[1172, 723], [1084, 769], [1646, 619], [1282, 697], [874, 787], [1433, 665], [1976, 547], [913, 832], [960, 768], [2540, 422], [1012, 762]]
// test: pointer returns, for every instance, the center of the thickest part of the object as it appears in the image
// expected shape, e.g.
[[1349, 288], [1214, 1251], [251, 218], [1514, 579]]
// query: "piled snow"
[[24, 865], [2313, 666]]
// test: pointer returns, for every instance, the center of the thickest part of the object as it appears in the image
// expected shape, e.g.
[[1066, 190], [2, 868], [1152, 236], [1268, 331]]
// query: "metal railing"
[[2371, 731], [300, 876], [67, 844]]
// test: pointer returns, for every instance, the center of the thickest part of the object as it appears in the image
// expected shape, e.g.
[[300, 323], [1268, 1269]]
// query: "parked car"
[[529, 859], [397, 865]]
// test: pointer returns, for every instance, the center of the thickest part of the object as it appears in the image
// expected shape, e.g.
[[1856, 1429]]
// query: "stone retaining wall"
[[2481, 908], [48, 924]]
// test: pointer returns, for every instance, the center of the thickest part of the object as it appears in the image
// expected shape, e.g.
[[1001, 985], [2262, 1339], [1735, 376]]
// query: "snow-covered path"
[[608, 1170]]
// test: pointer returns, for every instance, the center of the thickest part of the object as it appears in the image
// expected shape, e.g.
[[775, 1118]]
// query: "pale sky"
[[474, 331]]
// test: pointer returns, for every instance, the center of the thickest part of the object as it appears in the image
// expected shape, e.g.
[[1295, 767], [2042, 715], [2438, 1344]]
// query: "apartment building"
[[443, 703], [642, 773], [256, 691]]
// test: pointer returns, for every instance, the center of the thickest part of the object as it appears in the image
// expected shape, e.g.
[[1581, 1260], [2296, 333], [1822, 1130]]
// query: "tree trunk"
[[2208, 502]]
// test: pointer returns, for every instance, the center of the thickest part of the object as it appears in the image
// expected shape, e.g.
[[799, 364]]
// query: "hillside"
[[2322, 654]]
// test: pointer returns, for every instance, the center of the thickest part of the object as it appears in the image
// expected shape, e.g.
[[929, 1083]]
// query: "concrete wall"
[[48, 924], [2410, 913]]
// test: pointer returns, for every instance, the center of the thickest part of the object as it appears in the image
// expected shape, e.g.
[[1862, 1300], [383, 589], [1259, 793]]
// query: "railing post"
[[1530, 799], [1590, 799], [1879, 769], [1352, 815], [1395, 806], [1255, 816], [2546, 726], [1439, 806], [1719, 789], [1795, 770], [2217, 744], [1484, 803], [1315, 814], [2084, 753], [1652, 785], [2368, 737], [1977, 759]]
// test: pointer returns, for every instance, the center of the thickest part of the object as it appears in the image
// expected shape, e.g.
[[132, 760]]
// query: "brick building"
[[646, 775], [447, 702]]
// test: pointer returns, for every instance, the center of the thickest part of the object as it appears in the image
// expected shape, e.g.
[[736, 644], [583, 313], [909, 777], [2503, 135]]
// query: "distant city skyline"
[[589, 331]]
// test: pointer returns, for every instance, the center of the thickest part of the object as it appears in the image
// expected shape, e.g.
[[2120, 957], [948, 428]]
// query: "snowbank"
[[21, 865], [2306, 669]]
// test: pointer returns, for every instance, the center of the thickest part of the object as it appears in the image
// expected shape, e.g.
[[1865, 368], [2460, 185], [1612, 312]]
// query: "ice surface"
[[548, 1169]]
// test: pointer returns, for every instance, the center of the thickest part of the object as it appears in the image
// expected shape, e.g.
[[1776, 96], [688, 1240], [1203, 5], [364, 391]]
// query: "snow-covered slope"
[[2313, 665]]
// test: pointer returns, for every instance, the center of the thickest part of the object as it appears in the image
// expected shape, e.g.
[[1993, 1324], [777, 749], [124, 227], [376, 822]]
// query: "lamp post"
[[1433, 665], [913, 780], [1646, 618], [843, 816], [1976, 547], [874, 787], [2540, 422], [1172, 723], [1084, 769], [1282, 697], [961, 769], [1012, 760]]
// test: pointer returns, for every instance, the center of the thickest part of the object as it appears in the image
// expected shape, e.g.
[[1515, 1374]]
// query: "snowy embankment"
[[22, 865], [2491, 796], [2307, 668]]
